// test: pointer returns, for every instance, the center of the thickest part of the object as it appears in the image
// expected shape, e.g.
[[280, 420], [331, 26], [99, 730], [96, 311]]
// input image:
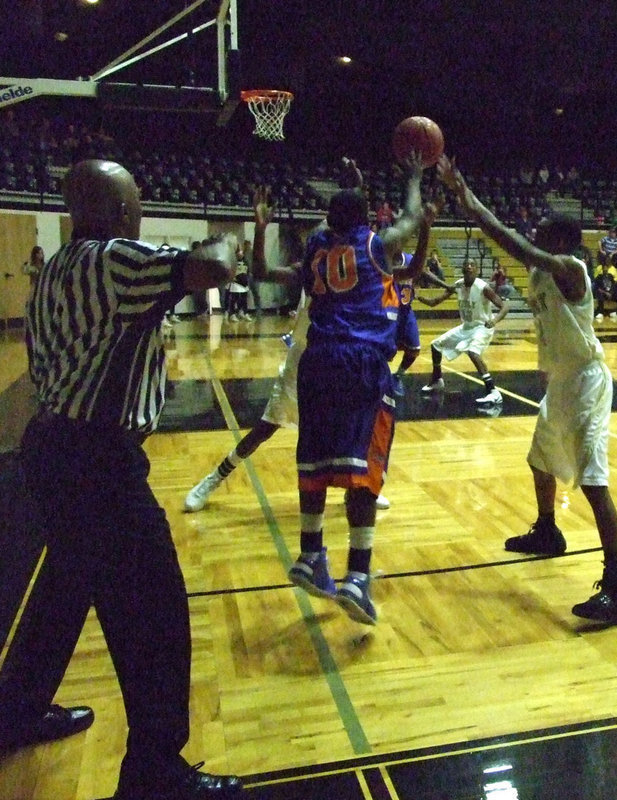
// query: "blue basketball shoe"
[[354, 598], [310, 572]]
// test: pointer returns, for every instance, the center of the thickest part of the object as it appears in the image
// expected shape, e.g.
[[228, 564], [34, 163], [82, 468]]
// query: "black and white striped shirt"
[[93, 332]]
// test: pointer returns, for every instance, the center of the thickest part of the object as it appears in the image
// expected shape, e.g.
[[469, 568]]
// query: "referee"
[[97, 360]]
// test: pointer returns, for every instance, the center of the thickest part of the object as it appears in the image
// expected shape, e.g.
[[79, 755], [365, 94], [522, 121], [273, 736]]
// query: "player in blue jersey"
[[407, 333], [345, 387]]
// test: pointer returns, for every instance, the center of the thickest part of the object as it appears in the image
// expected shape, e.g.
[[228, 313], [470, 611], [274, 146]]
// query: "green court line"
[[346, 710]]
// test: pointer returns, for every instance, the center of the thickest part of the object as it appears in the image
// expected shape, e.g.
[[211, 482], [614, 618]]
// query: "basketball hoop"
[[269, 107]]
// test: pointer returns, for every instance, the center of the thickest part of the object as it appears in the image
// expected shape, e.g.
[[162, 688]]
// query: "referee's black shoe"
[[56, 723], [177, 782]]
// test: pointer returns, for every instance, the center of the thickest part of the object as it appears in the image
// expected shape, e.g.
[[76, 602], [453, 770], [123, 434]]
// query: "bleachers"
[[458, 244]]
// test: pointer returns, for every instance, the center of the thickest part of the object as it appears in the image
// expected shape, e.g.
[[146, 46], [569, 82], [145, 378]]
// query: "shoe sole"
[[189, 510], [303, 583], [556, 552], [354, 611], [593, 617]]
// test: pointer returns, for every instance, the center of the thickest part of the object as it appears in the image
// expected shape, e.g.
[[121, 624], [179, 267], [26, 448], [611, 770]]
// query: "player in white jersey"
[[475, 303], [571, 437]]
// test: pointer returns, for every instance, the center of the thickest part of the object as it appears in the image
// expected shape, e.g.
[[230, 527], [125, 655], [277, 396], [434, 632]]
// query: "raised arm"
[[210, 264], [264, 212], [351, 178], [416, 267], [412, 212], [564, 268]]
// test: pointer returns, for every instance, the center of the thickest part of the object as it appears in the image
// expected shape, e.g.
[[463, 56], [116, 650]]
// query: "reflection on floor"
[[193, 405]]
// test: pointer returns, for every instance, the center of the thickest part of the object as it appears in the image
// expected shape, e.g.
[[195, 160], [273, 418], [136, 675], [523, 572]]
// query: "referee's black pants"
[[109, 546]]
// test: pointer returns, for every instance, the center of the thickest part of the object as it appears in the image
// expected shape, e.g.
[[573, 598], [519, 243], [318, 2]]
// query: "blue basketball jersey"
[[405, 289], [353, 297]]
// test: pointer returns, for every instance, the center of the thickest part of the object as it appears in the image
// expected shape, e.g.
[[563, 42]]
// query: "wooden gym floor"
[[477, 678]]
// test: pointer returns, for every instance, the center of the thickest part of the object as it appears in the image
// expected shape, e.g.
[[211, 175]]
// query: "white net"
[[269, 109]]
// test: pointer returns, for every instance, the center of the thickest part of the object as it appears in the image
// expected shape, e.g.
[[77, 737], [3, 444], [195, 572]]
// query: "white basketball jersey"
[[474, 307], [564, 329]]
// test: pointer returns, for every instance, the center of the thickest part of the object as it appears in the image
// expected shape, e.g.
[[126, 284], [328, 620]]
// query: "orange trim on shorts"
[[377, 458]]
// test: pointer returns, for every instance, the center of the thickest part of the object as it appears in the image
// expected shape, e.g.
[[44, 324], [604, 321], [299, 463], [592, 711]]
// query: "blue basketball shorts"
[[345, 416]]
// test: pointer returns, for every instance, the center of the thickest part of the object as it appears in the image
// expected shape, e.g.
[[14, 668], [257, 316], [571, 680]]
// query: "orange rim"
[[266, 94]]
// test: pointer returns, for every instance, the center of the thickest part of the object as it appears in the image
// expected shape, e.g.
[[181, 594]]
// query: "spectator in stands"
[[604, 289], [238, 290], [543, 177], [35, 264], [572, 181], [523, 223], [500, 282], [585, 254], [526, 176], [607, 247], [384, 216], [433, 265], [557, 178]]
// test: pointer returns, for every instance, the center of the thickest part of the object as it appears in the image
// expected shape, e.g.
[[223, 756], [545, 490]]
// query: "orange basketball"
[[418, 133]]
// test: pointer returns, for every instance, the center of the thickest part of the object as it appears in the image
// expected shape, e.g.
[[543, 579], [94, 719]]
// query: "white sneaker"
[[197, 498], [382, 502], [234, 318], [613, 315], [435, 386], [493, 396], [599, 317], [491, 411], [175, 318]]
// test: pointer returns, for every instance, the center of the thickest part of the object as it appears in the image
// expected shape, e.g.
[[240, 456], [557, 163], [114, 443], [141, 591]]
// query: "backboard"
[[220, 35]]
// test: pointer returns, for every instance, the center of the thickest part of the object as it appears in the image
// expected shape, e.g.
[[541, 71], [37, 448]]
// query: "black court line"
[[408, 574]]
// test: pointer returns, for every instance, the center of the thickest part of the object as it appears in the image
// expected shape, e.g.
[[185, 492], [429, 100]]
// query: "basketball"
[[418, 133]]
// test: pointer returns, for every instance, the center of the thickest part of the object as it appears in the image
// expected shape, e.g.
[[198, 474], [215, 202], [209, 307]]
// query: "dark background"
[[491, 74]]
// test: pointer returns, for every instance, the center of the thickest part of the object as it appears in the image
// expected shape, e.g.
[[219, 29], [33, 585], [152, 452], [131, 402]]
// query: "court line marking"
[[385, 760], [409, 573], [507, 392], [338, 690], [364, 788]]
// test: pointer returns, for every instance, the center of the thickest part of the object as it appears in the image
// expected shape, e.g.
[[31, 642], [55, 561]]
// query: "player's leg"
[[353, 594], [603, 605], [409, 343], [436, 383], [372, 423], [493, 395], [310, 570], [197, 498], [593, 451], [543, 537]]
